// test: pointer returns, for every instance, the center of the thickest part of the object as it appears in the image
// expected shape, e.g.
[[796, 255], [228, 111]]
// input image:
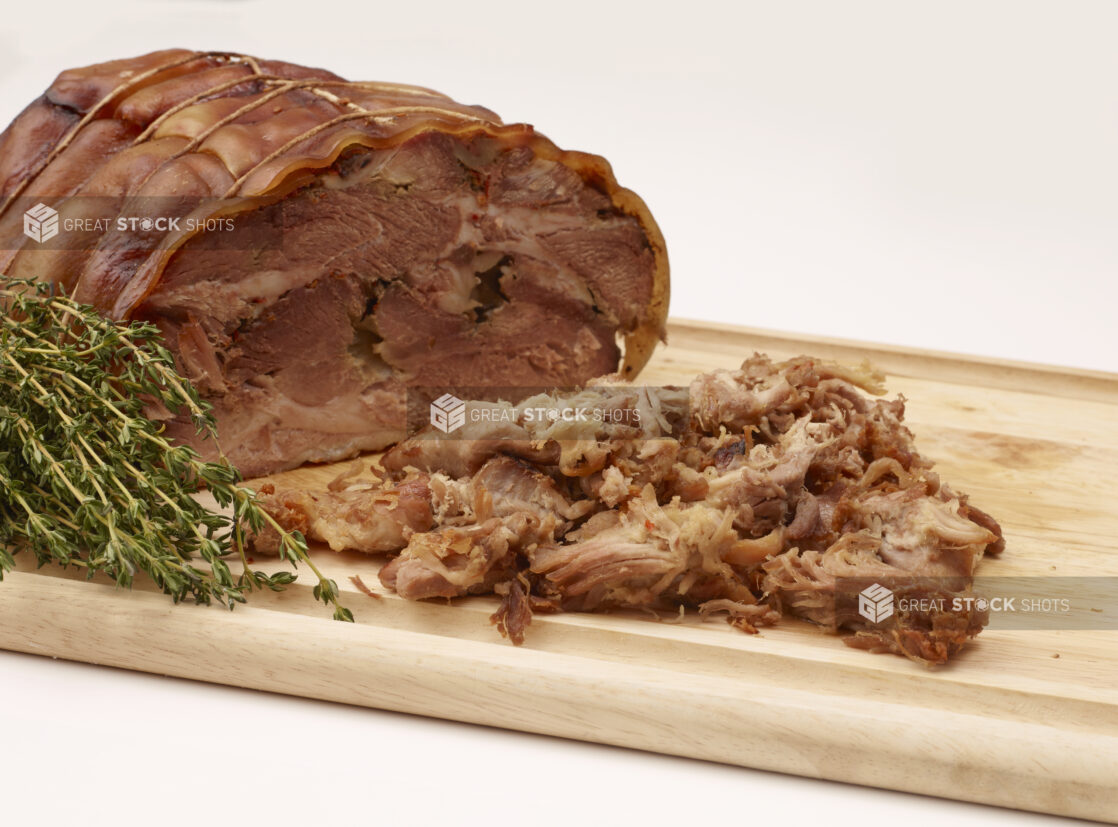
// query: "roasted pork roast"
[[314, 246]]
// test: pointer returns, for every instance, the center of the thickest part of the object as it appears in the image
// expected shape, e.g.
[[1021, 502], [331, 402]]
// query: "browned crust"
[[325, 116]]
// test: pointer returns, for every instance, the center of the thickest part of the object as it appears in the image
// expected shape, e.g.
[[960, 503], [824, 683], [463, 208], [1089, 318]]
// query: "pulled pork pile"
[[753, 492]]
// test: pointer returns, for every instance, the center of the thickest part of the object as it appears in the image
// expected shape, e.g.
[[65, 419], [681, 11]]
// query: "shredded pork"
[[752, 493]]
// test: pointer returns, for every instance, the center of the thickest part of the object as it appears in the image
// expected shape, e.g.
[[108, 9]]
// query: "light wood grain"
[[1007, 723]]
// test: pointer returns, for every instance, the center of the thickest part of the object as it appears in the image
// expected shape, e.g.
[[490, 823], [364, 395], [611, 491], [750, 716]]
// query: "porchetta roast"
[[314, 249], [312, 246]]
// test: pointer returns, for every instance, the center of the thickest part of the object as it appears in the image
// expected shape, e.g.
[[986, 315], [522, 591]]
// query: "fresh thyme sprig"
[[87, 479]]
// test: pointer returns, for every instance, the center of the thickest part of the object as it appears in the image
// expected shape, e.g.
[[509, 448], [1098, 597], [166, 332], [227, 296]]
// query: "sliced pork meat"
[[326, 244], [760, 491]]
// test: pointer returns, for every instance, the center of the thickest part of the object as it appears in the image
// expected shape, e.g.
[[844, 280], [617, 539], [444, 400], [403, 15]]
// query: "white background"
[[942, 175]]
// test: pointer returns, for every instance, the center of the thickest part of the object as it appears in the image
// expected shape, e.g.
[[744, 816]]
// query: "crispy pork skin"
[[777, 484], [378, 236]]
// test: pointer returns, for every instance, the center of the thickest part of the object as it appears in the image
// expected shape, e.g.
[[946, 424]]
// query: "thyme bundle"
[[88, 480]]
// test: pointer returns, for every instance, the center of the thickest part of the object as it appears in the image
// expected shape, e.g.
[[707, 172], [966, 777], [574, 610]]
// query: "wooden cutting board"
[[1024, 719]]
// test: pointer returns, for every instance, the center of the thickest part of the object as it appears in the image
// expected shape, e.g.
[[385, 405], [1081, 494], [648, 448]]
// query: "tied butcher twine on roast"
[[383, 236]]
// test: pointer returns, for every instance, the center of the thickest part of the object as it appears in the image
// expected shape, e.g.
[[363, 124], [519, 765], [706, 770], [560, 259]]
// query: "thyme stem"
[[88, 479]]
